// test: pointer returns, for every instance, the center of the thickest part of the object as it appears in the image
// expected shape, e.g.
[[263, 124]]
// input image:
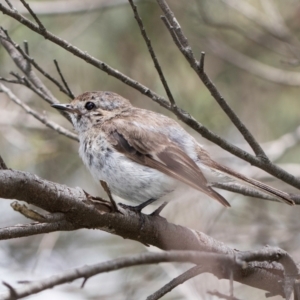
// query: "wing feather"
[[155, 150]]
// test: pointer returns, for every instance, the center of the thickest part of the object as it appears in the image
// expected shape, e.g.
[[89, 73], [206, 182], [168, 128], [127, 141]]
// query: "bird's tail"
[[281, 196]]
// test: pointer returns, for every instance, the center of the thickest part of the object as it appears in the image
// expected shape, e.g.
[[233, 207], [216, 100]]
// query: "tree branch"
[[181, 114], [152, 54], [120, 263], [23, 230], [42, 118], [177, 281], [81, 213], [173, 25], [24, 65]]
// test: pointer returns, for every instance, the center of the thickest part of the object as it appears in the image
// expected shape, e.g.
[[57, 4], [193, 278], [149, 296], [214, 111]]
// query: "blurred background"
[[252, 55]]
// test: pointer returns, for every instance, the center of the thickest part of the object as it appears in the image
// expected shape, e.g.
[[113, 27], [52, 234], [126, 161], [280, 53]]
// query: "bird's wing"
[[155, 150]]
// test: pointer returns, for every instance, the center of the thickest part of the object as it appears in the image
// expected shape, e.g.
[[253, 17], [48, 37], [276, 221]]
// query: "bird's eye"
[[90, 105]]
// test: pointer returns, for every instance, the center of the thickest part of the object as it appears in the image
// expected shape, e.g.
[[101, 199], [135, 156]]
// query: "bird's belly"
[[125, 178]]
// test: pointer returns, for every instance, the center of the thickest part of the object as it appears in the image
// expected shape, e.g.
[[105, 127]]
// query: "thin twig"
[[199, 69], [117, 264], [176, 281], [31, 61], [11, 80], [36, 216], [43, 119], [70, 94], [181, 114], [2, 164], [33, 229], [152, 53], [42, 28], [9, 4], [85, 56], [22, 64], [27, 212]]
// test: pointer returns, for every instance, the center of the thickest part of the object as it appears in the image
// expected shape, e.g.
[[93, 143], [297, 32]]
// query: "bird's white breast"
[[125, 178]]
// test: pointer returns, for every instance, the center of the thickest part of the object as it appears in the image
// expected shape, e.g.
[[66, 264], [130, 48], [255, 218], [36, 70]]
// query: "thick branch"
[[81, 213]]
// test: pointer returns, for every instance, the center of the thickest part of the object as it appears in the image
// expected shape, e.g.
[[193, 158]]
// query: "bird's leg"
[[108, 192]]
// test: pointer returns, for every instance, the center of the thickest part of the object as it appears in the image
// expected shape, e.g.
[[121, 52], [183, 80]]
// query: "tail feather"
[[281, 196], [212, 193]]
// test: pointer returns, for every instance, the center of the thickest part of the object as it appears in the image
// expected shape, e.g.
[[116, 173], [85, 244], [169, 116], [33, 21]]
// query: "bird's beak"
[[66, 107]]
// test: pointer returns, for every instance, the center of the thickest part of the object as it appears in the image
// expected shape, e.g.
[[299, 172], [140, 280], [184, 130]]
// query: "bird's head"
[[91, 108]]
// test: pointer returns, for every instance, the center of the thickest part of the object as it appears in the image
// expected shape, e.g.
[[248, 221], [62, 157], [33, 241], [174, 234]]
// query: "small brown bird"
[[143, 155]]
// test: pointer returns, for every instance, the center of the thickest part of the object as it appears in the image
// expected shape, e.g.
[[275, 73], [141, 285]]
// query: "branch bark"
[[79, 212]]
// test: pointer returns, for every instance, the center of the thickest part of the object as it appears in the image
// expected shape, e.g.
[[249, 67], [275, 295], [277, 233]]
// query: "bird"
[[143, 155]]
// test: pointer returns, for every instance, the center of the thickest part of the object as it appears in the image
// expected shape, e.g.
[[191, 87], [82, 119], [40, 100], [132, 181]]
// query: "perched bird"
[[143, 155]]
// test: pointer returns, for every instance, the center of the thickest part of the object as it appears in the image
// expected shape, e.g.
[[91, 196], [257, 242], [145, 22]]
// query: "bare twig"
[[37, 115], [27, 212], [70, 94], [9, 4], [42, 28], [43, 92], [120, 263], [33, 229], [174, 27], [2, 164], [177, 281], [86, 57], [152, 53], [11, 80], [182, 115], [24, 65], [208, 259], [36, 216]]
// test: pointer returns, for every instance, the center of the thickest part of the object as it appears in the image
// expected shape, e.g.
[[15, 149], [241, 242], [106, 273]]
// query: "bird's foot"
[[137, 209]]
